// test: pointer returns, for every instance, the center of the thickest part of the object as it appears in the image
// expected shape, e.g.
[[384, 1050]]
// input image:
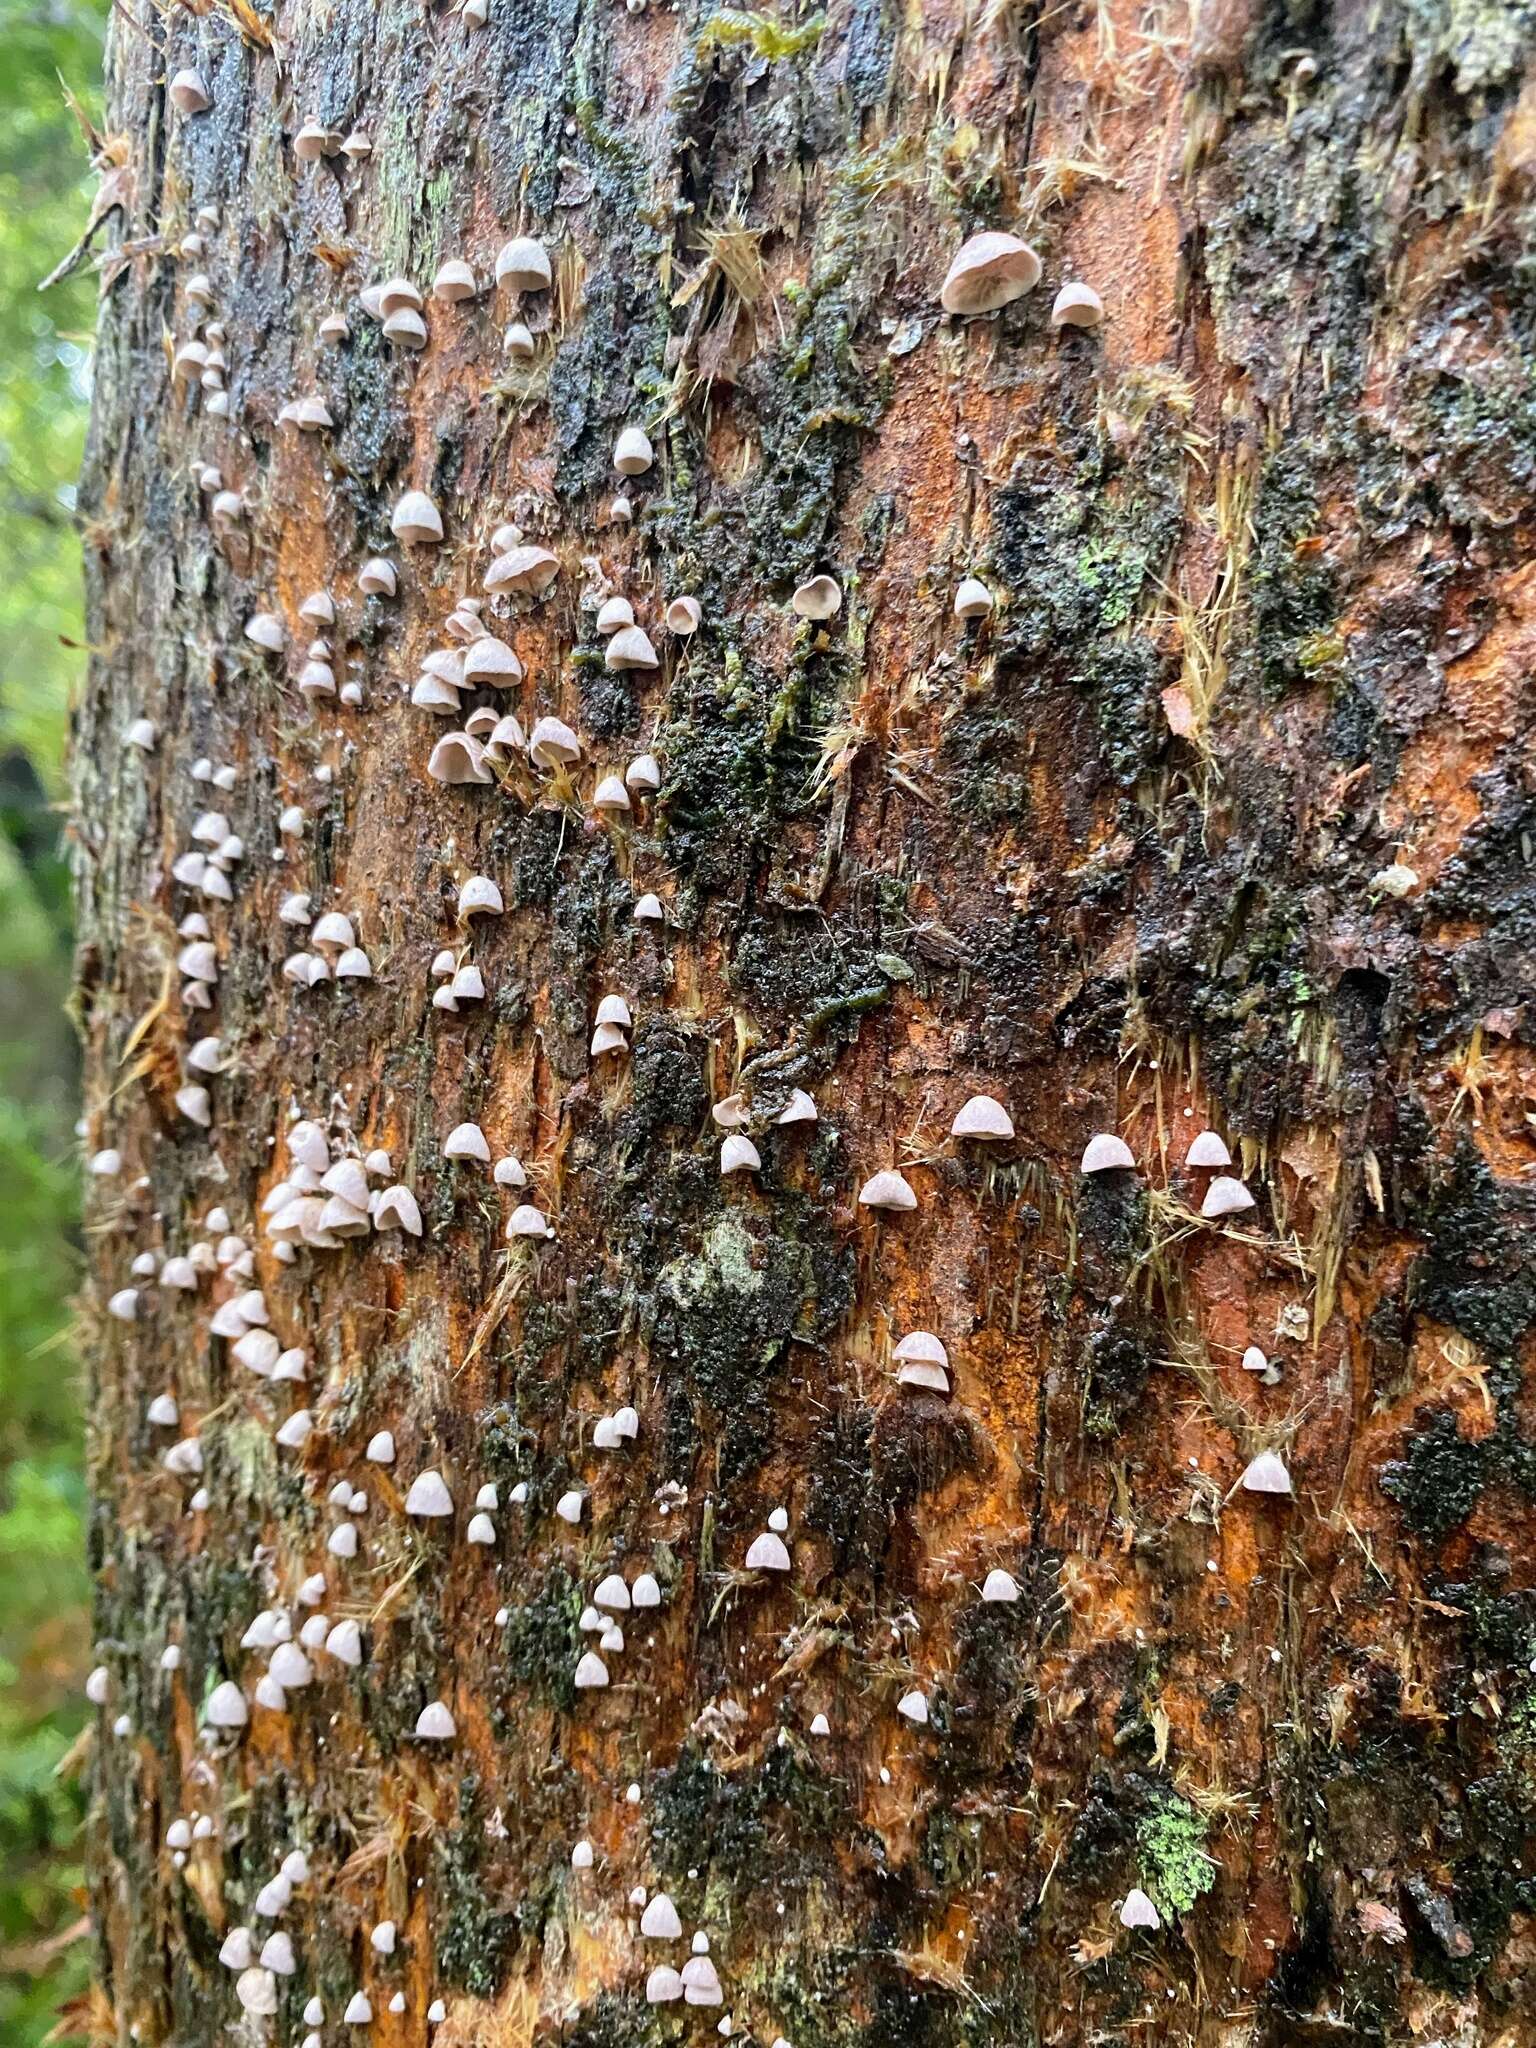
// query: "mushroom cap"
[[455, 280], [819, 598], [530, 569], [552, 743], [406, 327], [684, 616], [523, 263], [1207, 1149], [527, 1221], [887, 1190], [1266, 1474], [434, 1724], [1077, 305], [397, 294], [632, 452], [416, 521], [188, 93], [920, 1346], [913, 1707], [630, 647], [396, 1209], [659, 1921], [982, 1117], [614, 1009], [1106, 1153], [591, 1672], [932, 1379], [1138, 1910], [1000, 1586], [491, 661], [467, 1141], [739, 1155], [611, 795], [429, 1494], [990, 270], [458, 758], [1254, 1360], [973, 600], [1225, 1197], [800, 1109], [377, 577], [616, 612], [479, 896], [767, 1553], [643, 775]]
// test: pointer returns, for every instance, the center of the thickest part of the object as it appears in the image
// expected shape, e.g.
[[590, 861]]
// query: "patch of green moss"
[[1177, 1868], [472, 1940], [542, 1638]]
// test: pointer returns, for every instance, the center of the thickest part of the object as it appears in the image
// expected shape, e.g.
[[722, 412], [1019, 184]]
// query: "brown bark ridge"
[[1220, 819]]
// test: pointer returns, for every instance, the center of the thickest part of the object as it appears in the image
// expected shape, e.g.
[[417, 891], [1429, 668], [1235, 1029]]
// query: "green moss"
[[542, 1639], [1440, 1481], [1178, 1870], [472, 1941]]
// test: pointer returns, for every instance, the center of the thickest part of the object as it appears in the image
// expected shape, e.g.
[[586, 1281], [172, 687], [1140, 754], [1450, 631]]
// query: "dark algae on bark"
[[806, 850]]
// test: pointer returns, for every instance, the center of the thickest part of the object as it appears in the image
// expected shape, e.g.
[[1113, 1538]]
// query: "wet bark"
[[1223, 818]]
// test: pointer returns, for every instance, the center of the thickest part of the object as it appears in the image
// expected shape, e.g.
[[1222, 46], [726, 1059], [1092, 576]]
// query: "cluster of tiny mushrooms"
[[333, 1194]]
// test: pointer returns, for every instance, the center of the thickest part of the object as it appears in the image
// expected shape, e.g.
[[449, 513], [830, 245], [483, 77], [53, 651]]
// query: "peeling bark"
[[1224, 817]]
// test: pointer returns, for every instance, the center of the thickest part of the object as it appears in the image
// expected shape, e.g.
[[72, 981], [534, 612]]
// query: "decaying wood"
[[1223, 817]]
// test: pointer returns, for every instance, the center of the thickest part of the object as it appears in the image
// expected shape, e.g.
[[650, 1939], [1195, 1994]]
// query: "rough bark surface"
[[1224, 817]]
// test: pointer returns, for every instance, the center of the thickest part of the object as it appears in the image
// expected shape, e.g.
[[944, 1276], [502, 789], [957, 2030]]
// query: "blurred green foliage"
[[45, 191]]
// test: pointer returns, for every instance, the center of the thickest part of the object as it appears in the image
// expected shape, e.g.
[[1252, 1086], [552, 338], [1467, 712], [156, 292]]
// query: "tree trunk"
[[1221, 819]]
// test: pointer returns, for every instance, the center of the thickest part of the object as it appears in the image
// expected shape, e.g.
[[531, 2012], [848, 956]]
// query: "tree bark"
[[1222, 818]]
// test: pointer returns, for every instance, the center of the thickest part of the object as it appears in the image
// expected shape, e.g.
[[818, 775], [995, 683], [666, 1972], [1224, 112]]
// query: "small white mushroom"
[[684, 617], [188, 93], [429, 1495], [591, 1672], [1077, 305], [226, 1706], [455, 280], [1138, 1910], [913, 1707], [643, 775], [630, 647], [527, 1221], [989, 271], [552, 744], [632, 452], [467, 1141], [660, 1921], [615, 613], [1266, 1474], [887, 1190], [820, 598], [523, 265], [568, 1507], [359, 2012], [435, 1724], [416, 521], [739, 1155], [1000, 1586], [457, 759], [973, 600], [528, 570], [377, 577], [768, 1553], [611, 796], [381, 1448], [492, 662], [396, 1209], [1106, 1153], [1225, 1197], [1207, 1149], [982, 1117]]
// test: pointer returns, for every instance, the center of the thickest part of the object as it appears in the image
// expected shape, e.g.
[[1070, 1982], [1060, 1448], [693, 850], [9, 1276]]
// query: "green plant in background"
[[45, 189]]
